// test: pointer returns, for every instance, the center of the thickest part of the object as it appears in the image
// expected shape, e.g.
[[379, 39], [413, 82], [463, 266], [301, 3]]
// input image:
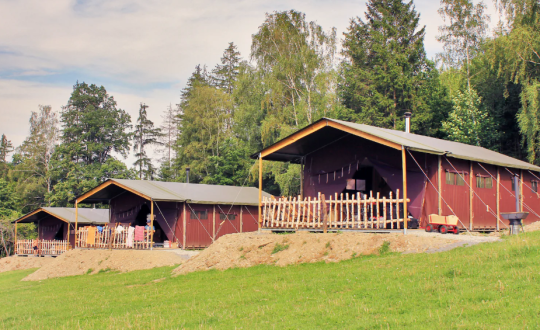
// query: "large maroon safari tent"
[[474, 183]]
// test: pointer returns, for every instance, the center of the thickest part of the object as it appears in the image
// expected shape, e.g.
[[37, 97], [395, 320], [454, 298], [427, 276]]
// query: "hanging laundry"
[[91, 238], [99, 229], [131, 231], [139, 233], [119, 229]]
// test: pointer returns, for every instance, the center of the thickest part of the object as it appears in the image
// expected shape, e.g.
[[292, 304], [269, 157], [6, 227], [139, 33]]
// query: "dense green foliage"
[[487, 286]]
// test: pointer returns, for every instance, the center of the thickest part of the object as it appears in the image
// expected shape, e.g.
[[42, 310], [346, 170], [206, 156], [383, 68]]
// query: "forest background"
[[483, 89]]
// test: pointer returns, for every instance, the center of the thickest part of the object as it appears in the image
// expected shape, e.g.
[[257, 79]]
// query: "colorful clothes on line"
[[119, 229], [131, 231], [99, 229], [139, 233]]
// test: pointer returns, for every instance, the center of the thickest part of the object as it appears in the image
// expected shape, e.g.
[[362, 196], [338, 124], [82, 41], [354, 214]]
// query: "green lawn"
[[488, 286]]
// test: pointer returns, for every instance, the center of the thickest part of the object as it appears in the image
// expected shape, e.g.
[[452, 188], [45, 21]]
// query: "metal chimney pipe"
[[407, 122], [187, 174]]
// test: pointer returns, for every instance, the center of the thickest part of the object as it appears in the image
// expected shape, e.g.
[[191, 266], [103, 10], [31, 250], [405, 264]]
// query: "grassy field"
[[488, 286]]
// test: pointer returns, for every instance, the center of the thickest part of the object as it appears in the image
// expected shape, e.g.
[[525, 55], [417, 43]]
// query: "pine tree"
[[6, 147], [199, 77], [145, 134], [385, 65], [224, 75]]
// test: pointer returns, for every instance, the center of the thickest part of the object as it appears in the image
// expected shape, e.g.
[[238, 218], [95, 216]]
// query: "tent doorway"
[[140, 219], [365, 180]]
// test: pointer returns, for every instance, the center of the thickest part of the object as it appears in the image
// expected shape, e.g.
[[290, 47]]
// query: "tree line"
[[483, 89]]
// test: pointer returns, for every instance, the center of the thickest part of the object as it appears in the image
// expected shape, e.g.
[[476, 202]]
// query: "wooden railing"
[[109, 238], [44, 247], [337, 213]]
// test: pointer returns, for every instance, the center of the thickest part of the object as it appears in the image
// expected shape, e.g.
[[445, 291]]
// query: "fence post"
[[324, 214]]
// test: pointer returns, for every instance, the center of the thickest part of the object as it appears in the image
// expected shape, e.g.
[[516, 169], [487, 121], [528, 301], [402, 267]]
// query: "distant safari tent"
[[172, 214], [361, 177], [56, 229]]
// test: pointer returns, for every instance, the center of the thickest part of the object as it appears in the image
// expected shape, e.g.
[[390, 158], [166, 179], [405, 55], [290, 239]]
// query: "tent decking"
[[336, 212]]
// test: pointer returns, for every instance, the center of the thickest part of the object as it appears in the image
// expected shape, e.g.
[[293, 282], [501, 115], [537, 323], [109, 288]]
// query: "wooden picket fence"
[[338, 213], [109, 238], [44, 247]]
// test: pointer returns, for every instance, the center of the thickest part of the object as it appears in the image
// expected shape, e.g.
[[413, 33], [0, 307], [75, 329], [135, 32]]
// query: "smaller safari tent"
[[184, 214], [357, 176], [55, 226]]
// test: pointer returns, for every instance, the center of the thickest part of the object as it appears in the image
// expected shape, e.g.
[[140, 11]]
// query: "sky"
[[139, 50]]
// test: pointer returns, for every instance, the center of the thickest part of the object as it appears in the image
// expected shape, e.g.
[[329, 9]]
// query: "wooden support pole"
[[260, 190], [302, 178], [76, 221], [521, 190], [15, 239], [471, 195], [184, 226], [151, 224], [241, 219], [439, 183], [498, 197], [404, 175], [214, 224]]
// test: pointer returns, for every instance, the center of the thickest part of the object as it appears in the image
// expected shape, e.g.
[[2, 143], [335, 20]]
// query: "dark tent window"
[[534, 186], [455, 179], [201, 215], [483, 182], [223, 216]]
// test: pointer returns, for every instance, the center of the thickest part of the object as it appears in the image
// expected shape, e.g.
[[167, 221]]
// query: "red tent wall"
[[482, 216], [456, 196], [531, 199], [198, 230]]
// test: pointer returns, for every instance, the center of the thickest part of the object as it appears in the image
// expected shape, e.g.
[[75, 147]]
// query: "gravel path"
[[460, 240]]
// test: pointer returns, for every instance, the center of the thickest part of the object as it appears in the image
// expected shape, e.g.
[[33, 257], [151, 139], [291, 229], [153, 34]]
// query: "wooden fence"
[[44, 247], [110, 238], [340, 212]]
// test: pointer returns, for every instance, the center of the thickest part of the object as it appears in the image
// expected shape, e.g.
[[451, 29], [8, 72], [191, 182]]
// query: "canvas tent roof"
[[174, 191], [327, 130], [86, 216]]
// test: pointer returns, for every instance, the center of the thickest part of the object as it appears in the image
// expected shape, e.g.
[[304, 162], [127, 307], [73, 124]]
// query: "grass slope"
[[488, 286]]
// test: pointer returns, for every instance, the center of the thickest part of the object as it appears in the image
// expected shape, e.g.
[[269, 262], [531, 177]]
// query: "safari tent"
[[56, 228], [186, 215], [362, 177]]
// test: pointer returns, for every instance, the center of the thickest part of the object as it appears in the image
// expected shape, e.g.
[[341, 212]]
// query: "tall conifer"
[[224, 75], [145, 134], [385, 63]]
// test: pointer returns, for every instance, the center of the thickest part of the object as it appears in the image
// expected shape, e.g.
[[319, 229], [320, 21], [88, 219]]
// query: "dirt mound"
[[79, 262], [250, 249], [16, 263], [532, 227]]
